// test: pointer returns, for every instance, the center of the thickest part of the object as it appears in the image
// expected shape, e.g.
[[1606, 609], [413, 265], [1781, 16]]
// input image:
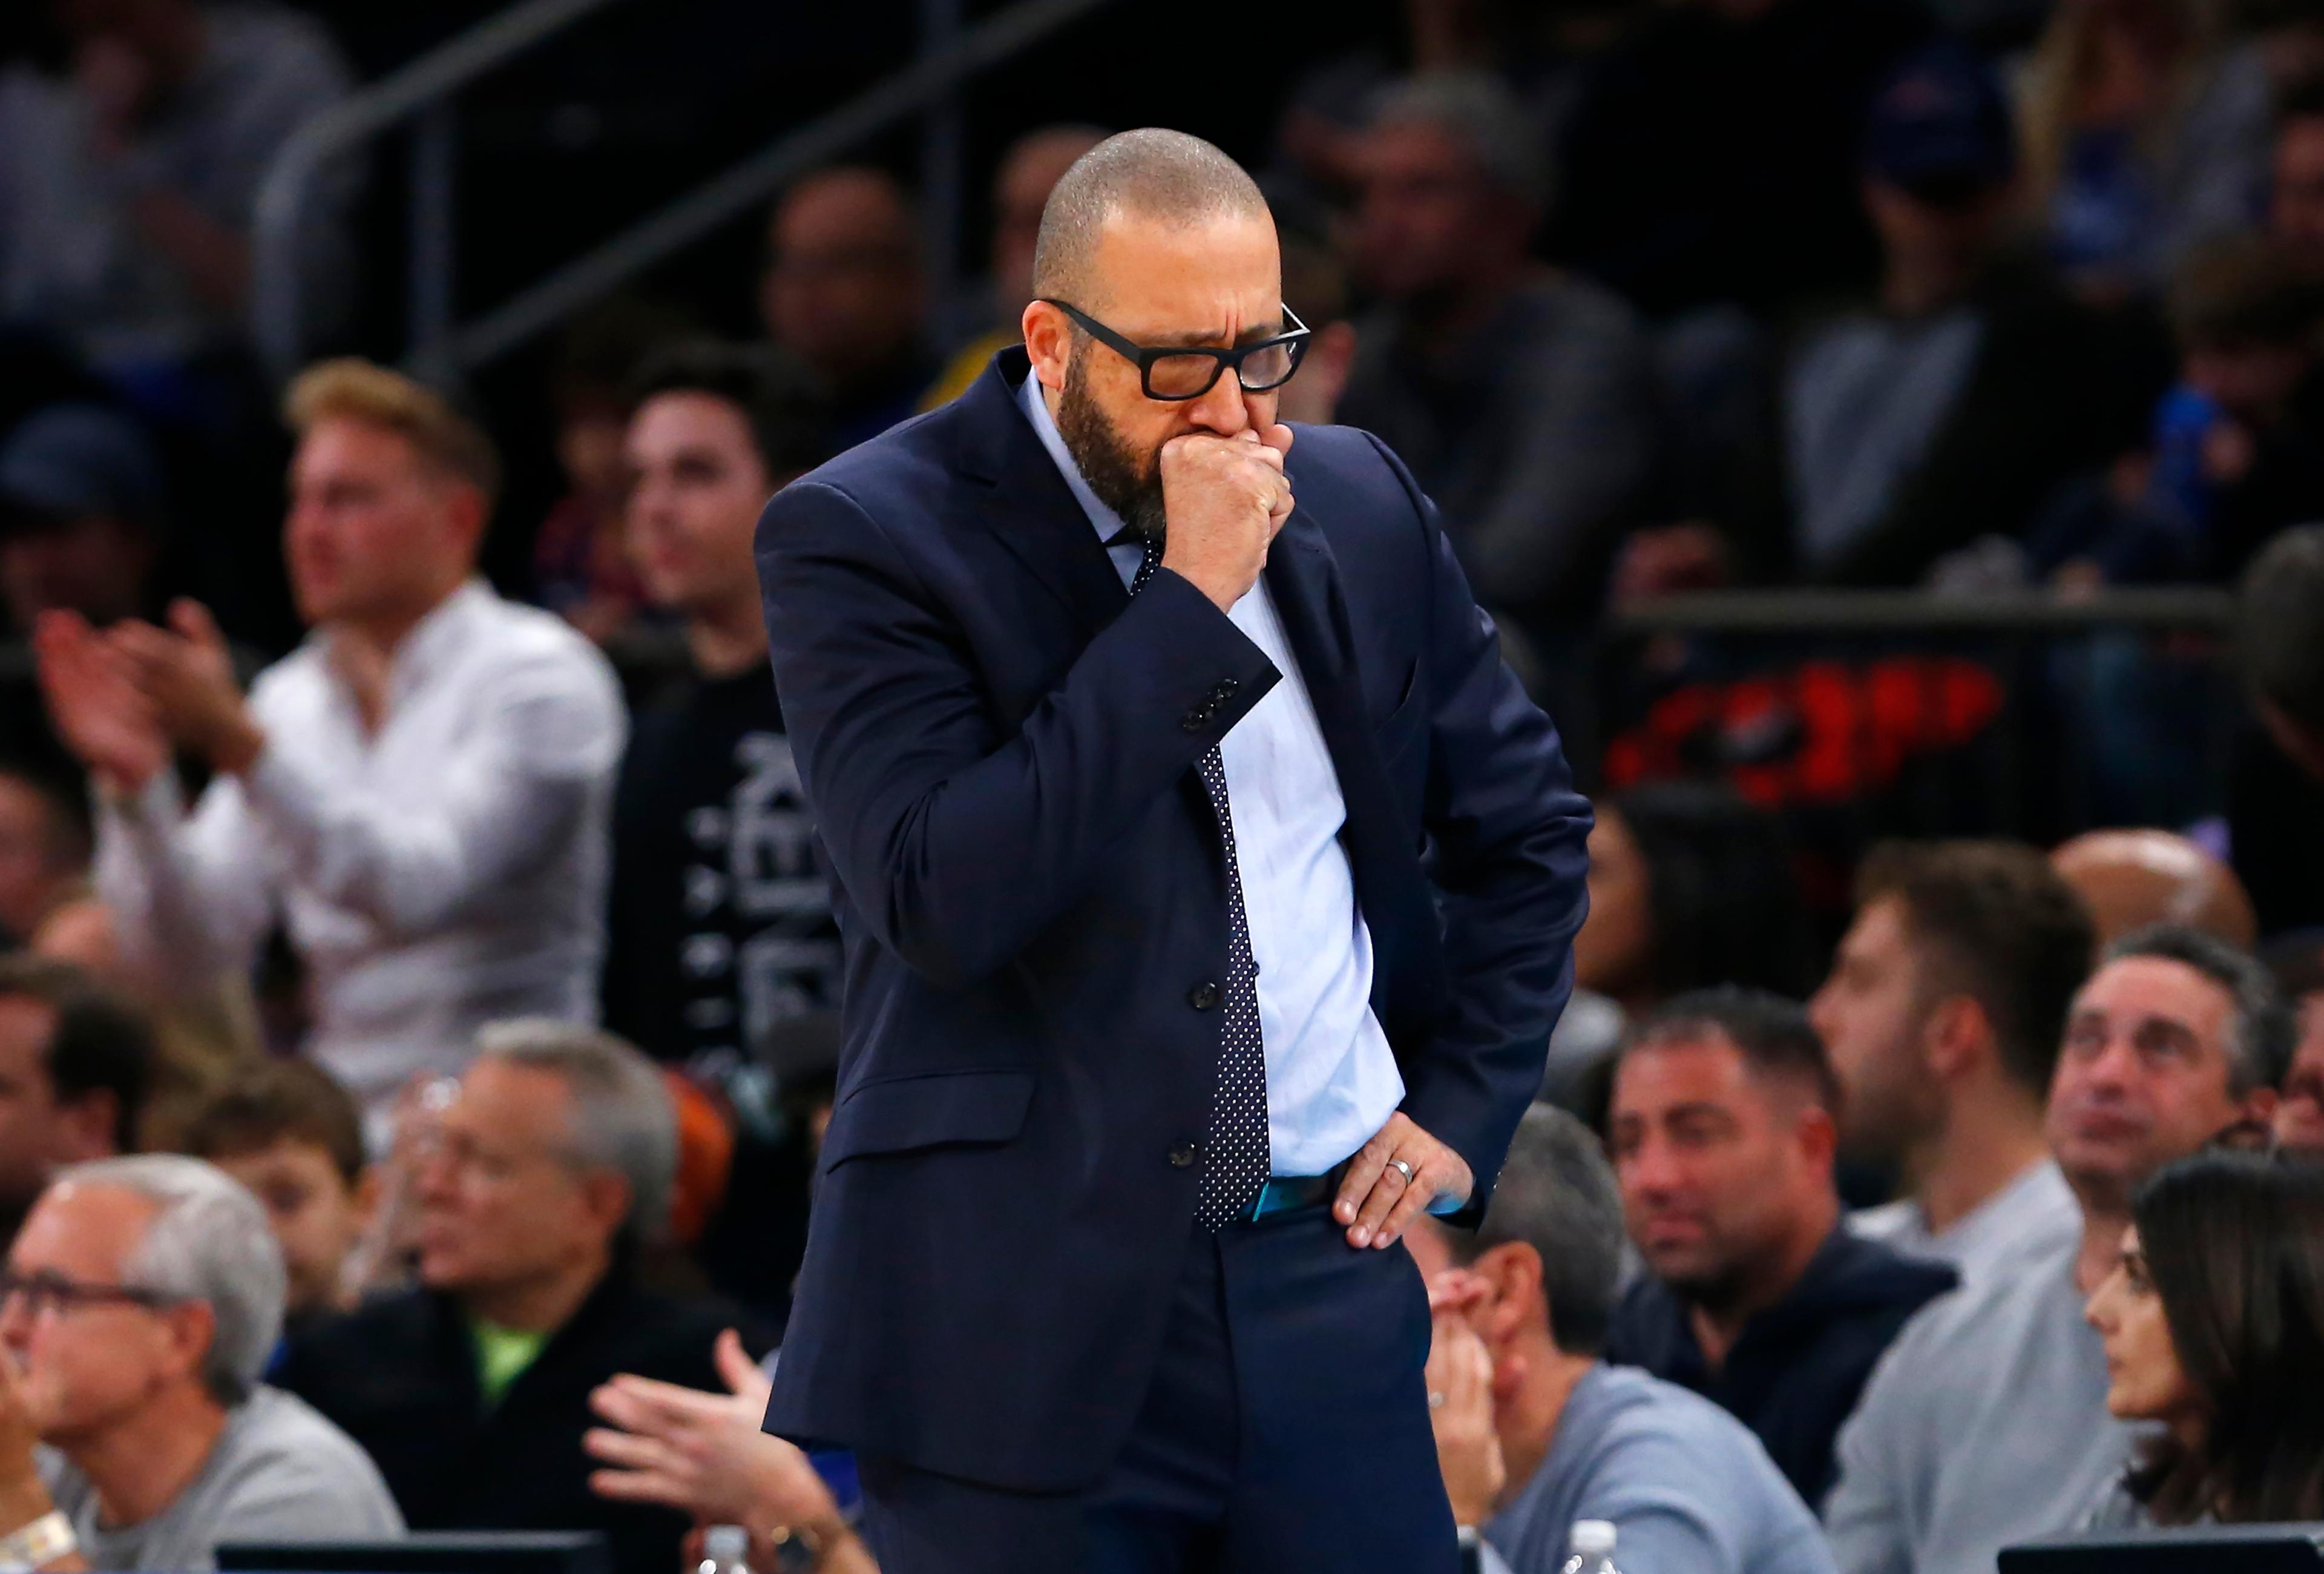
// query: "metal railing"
[[423, 92], [1911, 713]]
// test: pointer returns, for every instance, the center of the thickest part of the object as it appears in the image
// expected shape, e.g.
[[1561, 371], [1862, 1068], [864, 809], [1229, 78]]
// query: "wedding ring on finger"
[[1403, 1169]]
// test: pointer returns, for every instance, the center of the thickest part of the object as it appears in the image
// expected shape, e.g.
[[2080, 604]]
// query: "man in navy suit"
[[1208, 886]]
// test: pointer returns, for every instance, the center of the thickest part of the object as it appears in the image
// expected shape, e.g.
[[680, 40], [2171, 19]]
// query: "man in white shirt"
[[1942, 1017], [419, 792]]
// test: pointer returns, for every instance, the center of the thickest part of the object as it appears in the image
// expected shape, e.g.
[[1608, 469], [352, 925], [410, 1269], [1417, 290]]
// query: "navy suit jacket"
[[999, 745]]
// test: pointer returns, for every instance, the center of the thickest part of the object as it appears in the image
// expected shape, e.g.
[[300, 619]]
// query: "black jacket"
[[400, 1376], [1793, 1375]]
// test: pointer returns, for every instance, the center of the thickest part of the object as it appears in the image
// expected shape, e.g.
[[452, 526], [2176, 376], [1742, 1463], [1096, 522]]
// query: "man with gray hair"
[[1535, 1431], [1523, 398], [139, 1306], [1986, 1423], [550, 1170]]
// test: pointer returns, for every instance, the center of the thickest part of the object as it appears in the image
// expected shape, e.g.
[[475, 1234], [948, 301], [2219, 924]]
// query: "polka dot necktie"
[[1235, 1156]]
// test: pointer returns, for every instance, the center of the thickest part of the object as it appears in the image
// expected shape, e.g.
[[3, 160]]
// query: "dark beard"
[[1126, 481]]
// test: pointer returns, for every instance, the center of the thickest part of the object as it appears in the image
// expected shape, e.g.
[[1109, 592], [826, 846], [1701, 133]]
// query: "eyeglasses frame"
[[1143, 356]]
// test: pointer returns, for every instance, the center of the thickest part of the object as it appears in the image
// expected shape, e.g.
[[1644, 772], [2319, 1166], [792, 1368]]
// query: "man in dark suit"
[[1207, 886]]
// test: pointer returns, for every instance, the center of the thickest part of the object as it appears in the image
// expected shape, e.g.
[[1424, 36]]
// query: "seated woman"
[[2214, 1327]]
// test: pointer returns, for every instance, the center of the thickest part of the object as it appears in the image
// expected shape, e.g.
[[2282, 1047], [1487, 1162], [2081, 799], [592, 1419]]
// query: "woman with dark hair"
[[1689, 888], [2214, 1327]]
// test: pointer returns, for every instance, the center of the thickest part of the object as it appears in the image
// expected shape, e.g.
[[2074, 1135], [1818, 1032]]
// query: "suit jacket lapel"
[[1026, 502], [1383, 849]]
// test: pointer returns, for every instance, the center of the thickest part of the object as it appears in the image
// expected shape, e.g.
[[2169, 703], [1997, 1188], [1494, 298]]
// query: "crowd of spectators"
[[1878, 1212]]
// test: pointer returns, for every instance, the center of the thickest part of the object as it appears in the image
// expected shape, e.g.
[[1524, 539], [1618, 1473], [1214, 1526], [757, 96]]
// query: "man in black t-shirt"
[[720, 923], [719, 927]]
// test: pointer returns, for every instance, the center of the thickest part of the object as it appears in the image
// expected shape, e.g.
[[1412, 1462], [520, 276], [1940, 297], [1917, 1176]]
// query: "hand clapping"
[[122, 696]]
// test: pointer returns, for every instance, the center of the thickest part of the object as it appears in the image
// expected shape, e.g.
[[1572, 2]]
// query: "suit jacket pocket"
[[898, 1114]]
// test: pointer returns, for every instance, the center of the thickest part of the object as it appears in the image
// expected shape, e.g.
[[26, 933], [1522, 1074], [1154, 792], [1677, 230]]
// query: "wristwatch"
[[43, 1541], [1472, 1549]]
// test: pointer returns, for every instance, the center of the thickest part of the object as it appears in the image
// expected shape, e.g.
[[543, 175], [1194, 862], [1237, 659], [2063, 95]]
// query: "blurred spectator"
[[719, 918], [2298, 966], [1315, 288], [1942, 1016], [1713, 158], [199, 1038], [988, 323], [703, 1454], [291, 1135], [2145, 133], [2275, 788], [1986, 1424], [2214, 1327], [1545, 53], [549, 1171], [1757, 1296], [581, 565], [2129, 879], [141, 1299], [1524, 401], [44, 851], [1957, 403], [2295, 205], [81, 505], [74, 1065], [127, 185], [1535, 1431], [846, 293], [1690, 887], [421, 790], [2231, 454]]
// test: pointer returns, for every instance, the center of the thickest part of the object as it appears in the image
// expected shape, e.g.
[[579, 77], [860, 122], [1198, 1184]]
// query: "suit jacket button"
[[1225, 690], [1182, 1155], [1196, 719], [1203, 996]]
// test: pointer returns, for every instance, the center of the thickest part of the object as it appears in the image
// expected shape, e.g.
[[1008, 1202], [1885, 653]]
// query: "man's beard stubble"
[[1126, 481]]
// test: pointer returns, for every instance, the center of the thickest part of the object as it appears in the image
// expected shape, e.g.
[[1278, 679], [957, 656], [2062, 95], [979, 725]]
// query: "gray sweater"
[[1985, 1425], [1687, 1486], [278, 1472]]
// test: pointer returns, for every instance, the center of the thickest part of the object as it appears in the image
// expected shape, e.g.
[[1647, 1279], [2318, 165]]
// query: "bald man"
[[1127, 713], [845, 291], [2129, 879]]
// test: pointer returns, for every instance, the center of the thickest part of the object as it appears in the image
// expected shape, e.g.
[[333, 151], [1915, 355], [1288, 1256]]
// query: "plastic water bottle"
[[725, 1550], [1592, 1545]]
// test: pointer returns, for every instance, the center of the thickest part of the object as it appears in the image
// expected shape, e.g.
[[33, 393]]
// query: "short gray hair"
[[1557, 1195], [1479, 112], [2259, 1049], [209, 1241], [1150, 172], [622, 1117]]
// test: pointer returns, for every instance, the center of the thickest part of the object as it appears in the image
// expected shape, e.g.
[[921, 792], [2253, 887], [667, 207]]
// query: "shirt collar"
[[435, 637], [1103, 520]]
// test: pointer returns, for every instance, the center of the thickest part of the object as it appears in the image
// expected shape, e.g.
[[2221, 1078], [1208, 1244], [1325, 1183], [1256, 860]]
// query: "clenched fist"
[[1223, 498]]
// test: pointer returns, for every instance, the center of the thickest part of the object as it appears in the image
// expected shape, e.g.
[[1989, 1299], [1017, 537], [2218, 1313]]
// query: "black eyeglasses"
[[45, 1291], [1174, 374]]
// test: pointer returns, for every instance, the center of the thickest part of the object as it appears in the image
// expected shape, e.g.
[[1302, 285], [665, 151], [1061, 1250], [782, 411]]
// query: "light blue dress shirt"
[[1332, 1079]]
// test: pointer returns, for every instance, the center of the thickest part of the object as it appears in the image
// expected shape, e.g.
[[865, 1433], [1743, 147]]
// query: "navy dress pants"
[[1286, 1432]]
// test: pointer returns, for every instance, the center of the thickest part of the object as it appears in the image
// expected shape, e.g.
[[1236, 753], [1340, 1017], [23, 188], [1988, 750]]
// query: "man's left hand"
[[188, 673], [1394, 1179]]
